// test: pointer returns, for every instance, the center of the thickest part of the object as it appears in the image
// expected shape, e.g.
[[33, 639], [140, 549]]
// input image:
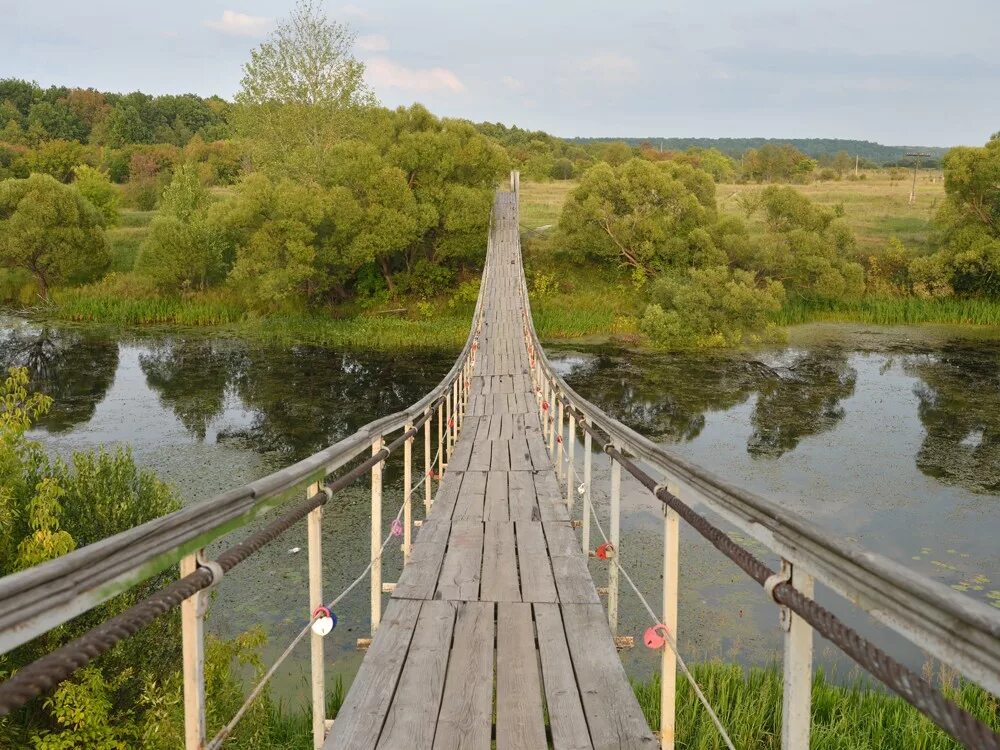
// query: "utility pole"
[[916, 156]]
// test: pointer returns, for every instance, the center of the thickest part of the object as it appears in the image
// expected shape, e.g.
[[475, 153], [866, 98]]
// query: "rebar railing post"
[[616, 500], [314, 539], [193, 657], [587, 458], [571, 439], [798, 667], [376, 573], [428, 469], [407, 496], [668, 659]]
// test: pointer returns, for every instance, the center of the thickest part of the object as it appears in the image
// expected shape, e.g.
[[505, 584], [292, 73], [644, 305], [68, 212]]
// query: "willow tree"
[[302, 92]]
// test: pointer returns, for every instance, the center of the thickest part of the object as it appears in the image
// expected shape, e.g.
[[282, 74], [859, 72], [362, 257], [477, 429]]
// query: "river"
[[887, 436]]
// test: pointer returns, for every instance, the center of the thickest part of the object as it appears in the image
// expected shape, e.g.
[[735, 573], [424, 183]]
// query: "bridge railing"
[[36, 600], [955, 629]]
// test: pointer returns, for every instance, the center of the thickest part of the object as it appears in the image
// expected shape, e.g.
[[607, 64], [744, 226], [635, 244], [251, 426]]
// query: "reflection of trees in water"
[[191, 378], [800, 400], [663, 397], [960, 410], [666, 397], [307, 397], [74, 369]]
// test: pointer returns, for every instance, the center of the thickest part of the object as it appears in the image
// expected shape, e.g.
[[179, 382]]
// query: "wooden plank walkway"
[[495, 635]]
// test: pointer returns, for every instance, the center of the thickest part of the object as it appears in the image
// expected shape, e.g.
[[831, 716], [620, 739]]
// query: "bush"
[[96, 187]]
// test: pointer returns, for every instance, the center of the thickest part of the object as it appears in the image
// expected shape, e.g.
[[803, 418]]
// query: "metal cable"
[[45, 673], [914, 689]]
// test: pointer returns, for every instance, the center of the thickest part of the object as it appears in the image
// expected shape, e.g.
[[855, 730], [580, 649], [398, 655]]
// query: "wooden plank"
[[480, 458], [447, 493], [413, 714], [419, 577], [562, 696], [469, 505], [460, 571], [466, 718], [520, 458], [560, 538], [537, 582], [539, 455], [496, 506], [500, 564], [360, 719], [521, 496], [573, 581], [612, 711], [500, 455], [519, 700], [551, 502]]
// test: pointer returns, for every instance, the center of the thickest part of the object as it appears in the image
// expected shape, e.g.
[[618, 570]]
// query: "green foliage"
[[96, 187], [773, 163], [50, 230], [56, 158], [709, 307]]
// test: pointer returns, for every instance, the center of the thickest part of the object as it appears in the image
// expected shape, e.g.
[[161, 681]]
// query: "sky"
[[900, 72]]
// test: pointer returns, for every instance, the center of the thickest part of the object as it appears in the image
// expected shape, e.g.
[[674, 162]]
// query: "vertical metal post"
[[407, 496], [376, 574], [616, 501], [440, 449], [427, 462], [798, 668], [193, 657], [587, 457], [668, 659], [560, 444], [314, 537], [571, 468]]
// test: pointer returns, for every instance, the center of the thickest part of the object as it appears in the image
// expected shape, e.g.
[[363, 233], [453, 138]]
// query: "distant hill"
[[814, 147]]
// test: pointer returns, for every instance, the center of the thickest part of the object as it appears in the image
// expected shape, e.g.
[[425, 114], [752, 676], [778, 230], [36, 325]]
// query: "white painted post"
[[314, 537], [407, 497], [668, 659], [616, 500], [587, 441], [560, 443], [552, 421], [798, 669], [376, 574], [427, 463], [440, 448], [570, 471], [193, 657], [447, 428]]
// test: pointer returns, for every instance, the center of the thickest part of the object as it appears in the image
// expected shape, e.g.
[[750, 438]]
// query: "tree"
[[56, 158], [616, 153], [58, 121], [96, 187], [122, 126], [183, 250], [562, 169], [50, 230], [300, 93]]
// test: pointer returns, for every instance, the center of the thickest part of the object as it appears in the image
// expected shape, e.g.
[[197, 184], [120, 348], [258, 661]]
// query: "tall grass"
[[844, 717], [892, 311]]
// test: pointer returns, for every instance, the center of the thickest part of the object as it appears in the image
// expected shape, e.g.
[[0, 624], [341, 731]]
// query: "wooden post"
[[314, 538], [447, 428], [193, 657], [376, 575], [587, 457], [440, 448], [616, 500], [427, 463], [552, 421], [407, 496], [798, 668], [454, 421], [668, 659], [571, 469], [560, 441]]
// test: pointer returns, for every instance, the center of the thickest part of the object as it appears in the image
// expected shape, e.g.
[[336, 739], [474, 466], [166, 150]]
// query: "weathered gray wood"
[[560, 538], [537, 582], [521, 498], [520, 457], [419, 577], [573, 581], [360, 719], [466, 718], [562, 694], [550, 499], [460, 571], [480, 458], [500, 564], [519, 700], [536, 449], [497, 508], [613, 713], [469, 504], [413, 714]]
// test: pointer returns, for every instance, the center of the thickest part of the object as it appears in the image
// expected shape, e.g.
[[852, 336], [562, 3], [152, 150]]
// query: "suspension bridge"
[[495, 634]]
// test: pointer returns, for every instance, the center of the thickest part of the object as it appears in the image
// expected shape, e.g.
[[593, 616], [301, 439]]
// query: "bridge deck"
[[495, 632]]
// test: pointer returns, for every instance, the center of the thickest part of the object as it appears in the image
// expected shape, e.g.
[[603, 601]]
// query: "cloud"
[[240, 24], [512, 83], [354, 11], [384, 72], [610, 66], [373, 43]]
